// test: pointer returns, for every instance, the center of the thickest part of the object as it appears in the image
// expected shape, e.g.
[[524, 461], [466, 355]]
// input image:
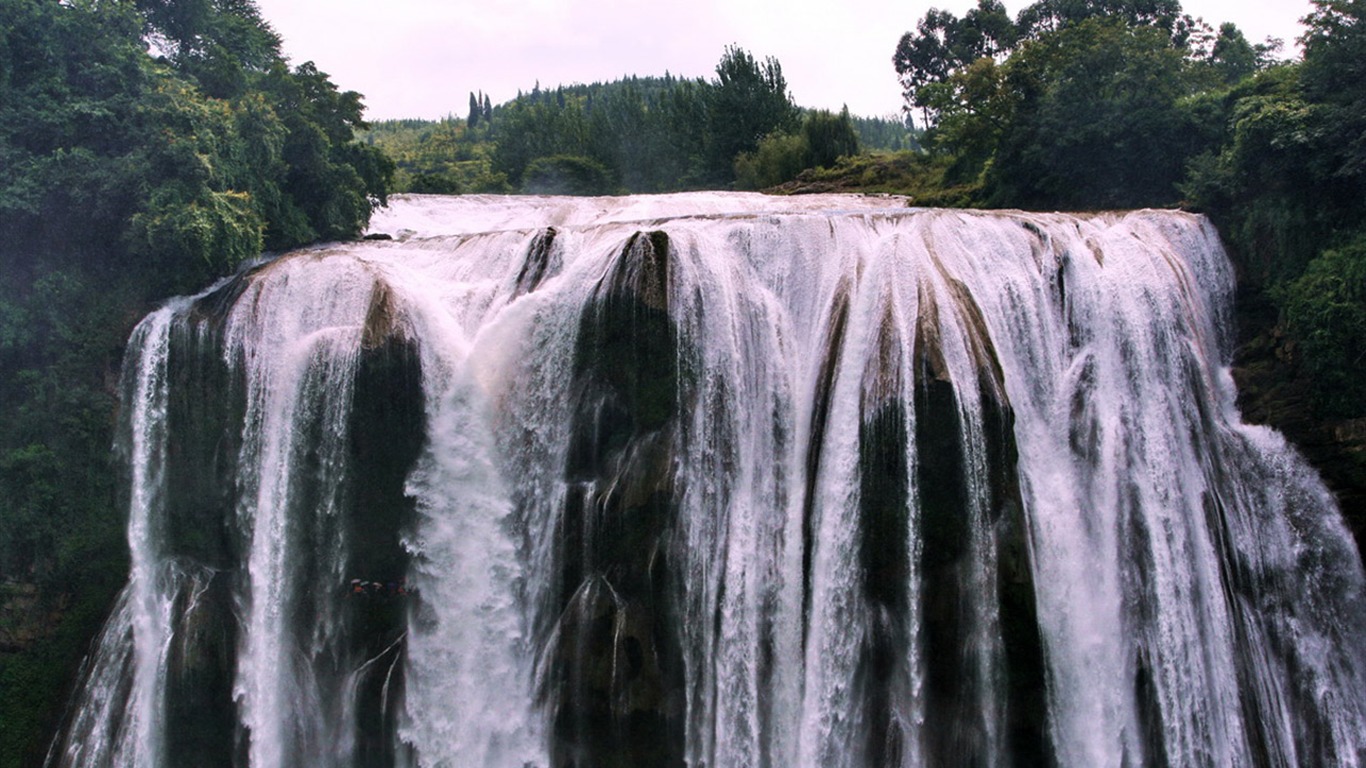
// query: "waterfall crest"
[[720, 480]]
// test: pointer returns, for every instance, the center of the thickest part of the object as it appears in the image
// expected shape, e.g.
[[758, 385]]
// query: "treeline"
[[146, 147], [1085, 104], [635, 135]]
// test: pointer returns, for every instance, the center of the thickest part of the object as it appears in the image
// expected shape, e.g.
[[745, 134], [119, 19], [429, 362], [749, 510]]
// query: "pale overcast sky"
[[422, 58]]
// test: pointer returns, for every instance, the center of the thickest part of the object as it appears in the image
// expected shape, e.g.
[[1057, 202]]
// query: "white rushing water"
[[806, 481]]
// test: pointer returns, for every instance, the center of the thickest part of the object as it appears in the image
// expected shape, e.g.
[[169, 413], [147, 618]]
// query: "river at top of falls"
[[719, 479]]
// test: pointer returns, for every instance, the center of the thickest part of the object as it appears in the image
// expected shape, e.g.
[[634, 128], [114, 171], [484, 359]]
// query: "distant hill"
[[635, 134]]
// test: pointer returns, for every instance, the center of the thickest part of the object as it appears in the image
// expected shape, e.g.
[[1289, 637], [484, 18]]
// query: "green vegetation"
[[125, 177], [821, 141], [637, 134]]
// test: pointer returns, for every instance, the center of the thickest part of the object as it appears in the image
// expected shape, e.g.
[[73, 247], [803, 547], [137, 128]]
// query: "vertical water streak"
[[119, 715], [468, 655], [297, 332], [148, 583]]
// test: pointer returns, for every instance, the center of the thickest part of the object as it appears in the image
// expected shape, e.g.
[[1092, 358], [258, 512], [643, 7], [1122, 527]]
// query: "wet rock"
[[614, 689], [1273, 390]]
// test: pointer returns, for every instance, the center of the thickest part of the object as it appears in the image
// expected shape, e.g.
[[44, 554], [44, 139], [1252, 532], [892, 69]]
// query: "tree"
[[567, 175], [778, 158], [1047, 16], [1325, 309], [475, 113], [975, 107], [829, 137], [1335, 76], [925, 58], [1233, 58], [748, 101], [532, 128], [1097, 119], [217, 43], [945, 45]]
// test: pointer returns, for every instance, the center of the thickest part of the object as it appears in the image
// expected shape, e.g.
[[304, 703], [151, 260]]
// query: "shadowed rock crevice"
[[954, 544], [832, 349], [387, 433], [205, 411], [614, 674], [542, 261], [882, 677], [357, 641]]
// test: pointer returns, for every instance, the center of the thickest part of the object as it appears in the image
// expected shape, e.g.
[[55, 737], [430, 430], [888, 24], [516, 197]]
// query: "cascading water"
[[720, 480]]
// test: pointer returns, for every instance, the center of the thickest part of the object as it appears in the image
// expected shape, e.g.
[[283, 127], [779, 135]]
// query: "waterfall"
[[719, 480]]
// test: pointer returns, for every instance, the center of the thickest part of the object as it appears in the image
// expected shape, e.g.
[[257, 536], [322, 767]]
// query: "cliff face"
[[25, 618], [1273, 390], [722, 480]]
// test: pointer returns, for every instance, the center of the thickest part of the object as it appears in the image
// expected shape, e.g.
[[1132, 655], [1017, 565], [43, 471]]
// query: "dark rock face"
[[833, 346], [953, 549], [885, 557], [385, 434], [1273, 391], [26, 618], [204, 416], [540, 262], [201, 719], [615, 686]]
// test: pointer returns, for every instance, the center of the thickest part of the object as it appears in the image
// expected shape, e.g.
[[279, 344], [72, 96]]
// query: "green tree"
[[944, 45], [974, 108], [219, 44], [1048, 16], [1325, 310], [1097, 119], [332, 182], [567, 175], [1287, 188], [532, 128], [748, 101], [829, 137], [1269, 182], [1233, 58], [1335, 77], [778, 158]]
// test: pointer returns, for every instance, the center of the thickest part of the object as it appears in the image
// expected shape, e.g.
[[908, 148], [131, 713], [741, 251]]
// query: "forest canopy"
[[739, 129]]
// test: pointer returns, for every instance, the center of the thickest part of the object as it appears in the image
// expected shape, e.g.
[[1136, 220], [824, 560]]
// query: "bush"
[[1325, 312], [567, 175], [779, 158]]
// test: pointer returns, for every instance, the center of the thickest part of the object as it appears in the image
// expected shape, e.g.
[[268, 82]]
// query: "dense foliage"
[[647, 134], [145, 148]]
